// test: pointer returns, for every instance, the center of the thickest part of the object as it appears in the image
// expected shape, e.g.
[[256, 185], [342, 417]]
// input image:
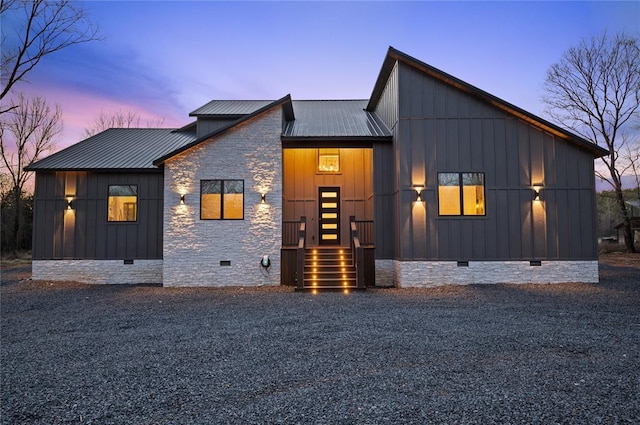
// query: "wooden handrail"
[[358, 253], [302, 233]]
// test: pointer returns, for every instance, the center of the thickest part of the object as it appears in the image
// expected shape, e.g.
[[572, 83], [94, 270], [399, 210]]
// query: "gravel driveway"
[[567, 353]]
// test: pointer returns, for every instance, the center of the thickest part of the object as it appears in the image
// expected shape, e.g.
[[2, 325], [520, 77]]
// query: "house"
[[429, 181]]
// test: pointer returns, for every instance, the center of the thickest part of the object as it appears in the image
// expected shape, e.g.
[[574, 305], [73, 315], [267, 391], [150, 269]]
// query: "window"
[[222, 199], [329, 160], [123, 202], [461, 193]]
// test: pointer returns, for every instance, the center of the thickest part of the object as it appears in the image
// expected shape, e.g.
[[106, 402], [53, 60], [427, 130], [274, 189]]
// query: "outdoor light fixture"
[[418, 190], [536, 191], [182, 199], [263, 198], [69, 203]]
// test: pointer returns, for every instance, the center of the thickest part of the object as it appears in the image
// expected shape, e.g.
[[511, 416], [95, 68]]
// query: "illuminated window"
[[123, 202], [222, 199], [329, 160], [461, 194]]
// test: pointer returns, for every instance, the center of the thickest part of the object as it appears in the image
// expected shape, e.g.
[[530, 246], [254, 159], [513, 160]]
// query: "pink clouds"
[[81, 108]]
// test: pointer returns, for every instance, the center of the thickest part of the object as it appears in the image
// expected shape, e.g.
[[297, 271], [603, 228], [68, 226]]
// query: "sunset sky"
[[165, 59]]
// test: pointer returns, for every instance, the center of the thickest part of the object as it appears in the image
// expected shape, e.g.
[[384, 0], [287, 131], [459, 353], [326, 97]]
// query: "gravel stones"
[[566, 353]]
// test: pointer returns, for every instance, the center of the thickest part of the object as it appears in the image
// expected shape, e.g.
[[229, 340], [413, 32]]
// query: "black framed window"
[[123, 203], [222, 199], [461, 194]]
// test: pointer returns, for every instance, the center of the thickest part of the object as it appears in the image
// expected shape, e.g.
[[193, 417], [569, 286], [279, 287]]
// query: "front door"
[[329, 222]]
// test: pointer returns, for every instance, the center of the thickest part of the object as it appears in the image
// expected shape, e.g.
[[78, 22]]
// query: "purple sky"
[[165, 59]]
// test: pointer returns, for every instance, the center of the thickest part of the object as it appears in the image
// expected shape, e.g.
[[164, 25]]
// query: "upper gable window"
[[123, 202], [461, 194], [328, 160], [222, 199]]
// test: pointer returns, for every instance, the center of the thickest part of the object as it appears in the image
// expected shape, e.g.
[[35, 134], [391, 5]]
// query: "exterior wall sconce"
[[418, 190], [182, 199], [263, 198], [536, 192], [69, 203]]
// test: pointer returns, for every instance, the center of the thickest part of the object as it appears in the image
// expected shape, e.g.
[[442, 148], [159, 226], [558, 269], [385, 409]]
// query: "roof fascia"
[[332, 141], [96, 170], [394, 56], [280, 102]]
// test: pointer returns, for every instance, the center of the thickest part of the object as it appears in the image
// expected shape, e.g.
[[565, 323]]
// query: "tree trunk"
[[15, 236], [628, 231]]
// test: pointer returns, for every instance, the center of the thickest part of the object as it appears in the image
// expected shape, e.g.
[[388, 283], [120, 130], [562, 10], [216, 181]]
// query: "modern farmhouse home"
[[429, 181]]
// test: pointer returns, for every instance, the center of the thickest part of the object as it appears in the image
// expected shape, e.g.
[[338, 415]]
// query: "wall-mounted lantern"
[[418, 190], [263, 198], [182, 199], [69, 204]]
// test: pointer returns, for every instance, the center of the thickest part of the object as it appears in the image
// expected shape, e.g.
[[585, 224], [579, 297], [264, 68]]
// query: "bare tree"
[[45, 27], [595, 90], [631, 158], [119, 119], [27, 132]]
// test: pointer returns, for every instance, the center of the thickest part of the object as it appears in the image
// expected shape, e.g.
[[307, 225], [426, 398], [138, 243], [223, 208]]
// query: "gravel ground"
[[568, 353]]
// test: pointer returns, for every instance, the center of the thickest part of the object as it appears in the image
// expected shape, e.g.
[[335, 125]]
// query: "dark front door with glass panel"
[[329, 221]]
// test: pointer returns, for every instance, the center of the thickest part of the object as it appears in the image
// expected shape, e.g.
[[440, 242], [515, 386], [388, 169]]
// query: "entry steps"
[[329, 268]]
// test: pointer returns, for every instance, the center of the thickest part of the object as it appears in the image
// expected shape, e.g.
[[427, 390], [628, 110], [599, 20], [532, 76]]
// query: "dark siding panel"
[[444, 239], [526, 224], [491, 227], [464, 143], [459, 133], [84, 232], [514, 222], [575, 228], [479, 239], [465, 239], [512, 154], [564, 234], [550, 210], [418, 157], [524, 155], [497, 175], [588, 219], [452, 141]]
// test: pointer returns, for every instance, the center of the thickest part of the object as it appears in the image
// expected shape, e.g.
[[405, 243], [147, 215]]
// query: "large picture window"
[[222, 199], [461, 194], [123, 202]]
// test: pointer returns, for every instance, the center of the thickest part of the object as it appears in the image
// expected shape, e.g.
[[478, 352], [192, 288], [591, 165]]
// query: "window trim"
[[222, 181], [109, 186], [461, 194], [330, 172]]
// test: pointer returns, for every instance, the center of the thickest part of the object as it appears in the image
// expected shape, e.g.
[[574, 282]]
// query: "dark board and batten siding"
[[442, 129], [385, 176], [85, 233]]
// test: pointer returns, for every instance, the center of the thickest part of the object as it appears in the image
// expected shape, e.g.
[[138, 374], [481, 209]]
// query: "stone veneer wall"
[[411, 274], [385, 272], [98, 271], [193, 248]]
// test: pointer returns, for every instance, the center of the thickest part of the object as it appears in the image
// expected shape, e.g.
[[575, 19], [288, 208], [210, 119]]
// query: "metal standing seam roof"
[[230, 107], [139, 148], [117, 148], [334, 118]]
